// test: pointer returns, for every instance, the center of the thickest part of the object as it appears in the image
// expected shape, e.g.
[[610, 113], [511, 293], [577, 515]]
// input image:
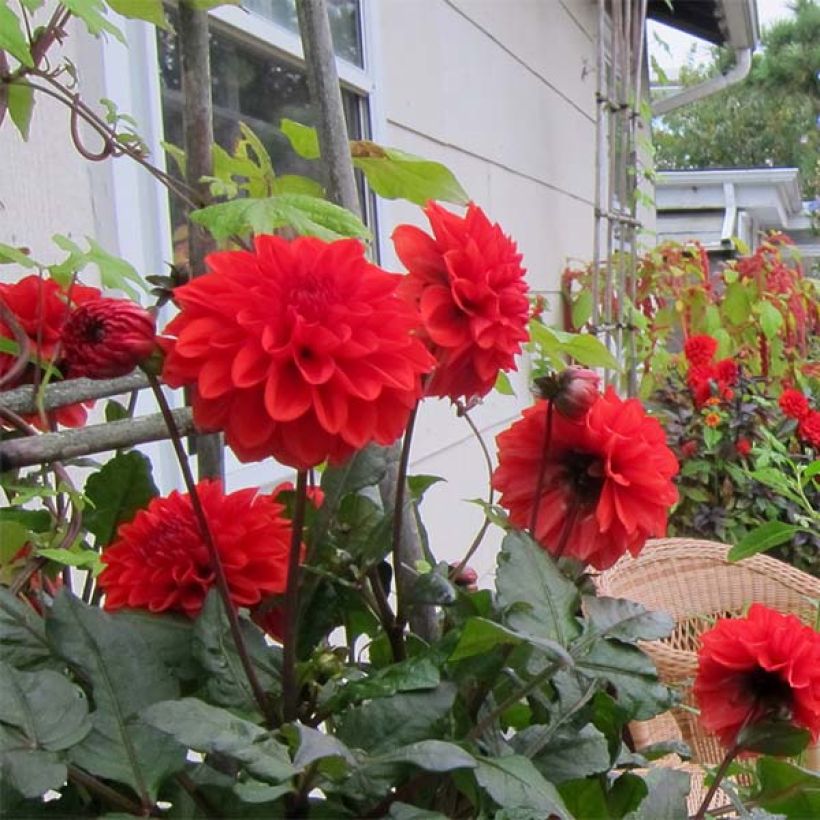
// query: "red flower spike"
[[808, 429], [468, 284], [42, 307], [160, 562], [298, 350], [793, 404], [763, 666], [106, 338], [607, 479], [700, 350]]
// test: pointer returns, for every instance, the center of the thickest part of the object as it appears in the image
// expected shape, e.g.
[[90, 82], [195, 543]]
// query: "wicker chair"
[[695, 582]]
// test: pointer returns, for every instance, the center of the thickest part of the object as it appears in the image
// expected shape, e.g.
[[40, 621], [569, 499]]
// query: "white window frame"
[[130, 76]]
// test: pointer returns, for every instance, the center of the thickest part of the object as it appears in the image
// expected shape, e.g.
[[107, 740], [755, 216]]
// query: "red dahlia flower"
[[808, 429], [607, 479], [763, 666], [299, 350], [468, 283], [160, 562], [106, 338], [793, 404], [700, 350], [42, 307]]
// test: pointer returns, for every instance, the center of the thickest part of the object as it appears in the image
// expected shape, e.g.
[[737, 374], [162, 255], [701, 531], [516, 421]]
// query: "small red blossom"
[[762, 667], [42, 306], [299, 350], [793, 404], [700, 350], [315, 495], [727, 373], [106, 338], [743, 447], [468, 284], [160, 562], [712, 419], [688, 448], [808, 429], [607, 479]]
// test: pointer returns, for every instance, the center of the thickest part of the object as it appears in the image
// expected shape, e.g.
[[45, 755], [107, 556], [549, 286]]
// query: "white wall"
[[503, 93]]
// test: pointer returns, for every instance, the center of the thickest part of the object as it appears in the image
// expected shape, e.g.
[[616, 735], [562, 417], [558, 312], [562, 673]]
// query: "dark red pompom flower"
[[42, 306], [607, 481], [299, 350], [762, 667], [808, 429], [793, 403], [160, 562], [106, 338], [700, 350], [468, 283]]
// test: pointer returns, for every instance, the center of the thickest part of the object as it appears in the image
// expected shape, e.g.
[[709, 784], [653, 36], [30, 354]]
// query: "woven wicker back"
[[695, 582]]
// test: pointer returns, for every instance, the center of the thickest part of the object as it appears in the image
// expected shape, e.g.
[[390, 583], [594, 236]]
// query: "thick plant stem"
[[719, 775], [197, 116], [113, 797], [290, 683], [542, 467], [213, 554]]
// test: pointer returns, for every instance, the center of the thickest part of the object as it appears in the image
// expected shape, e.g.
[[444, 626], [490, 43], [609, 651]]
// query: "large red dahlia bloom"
[[42, 306], [700, 350], [793, 403], [468, 283], [808, 429], [160, 562], [763, 666], [299, 350], [607, 480]]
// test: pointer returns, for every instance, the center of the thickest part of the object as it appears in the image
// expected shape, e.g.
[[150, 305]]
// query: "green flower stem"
[[476, 543], [719, 775], [290, 683], [213, 553], [542, 467]]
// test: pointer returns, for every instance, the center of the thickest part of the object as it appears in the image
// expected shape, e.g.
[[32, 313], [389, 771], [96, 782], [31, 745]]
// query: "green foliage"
[[786, 789], [12, 38], [115, 273]]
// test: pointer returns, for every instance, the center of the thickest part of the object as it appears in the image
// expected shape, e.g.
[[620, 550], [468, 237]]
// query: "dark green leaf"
[[536, 597], [381, 725], [123, 486], [46, 711], [366, 468], [626, 620], [21, 105], [632, 674], [433, 587], [31, 773], [431, 755], [481, 635], [787, 789], [777, 738], [211, 729], [13, 536], [762, 538], [655, 751], [410, 675], [23, 641], [404, 811], [394, 174], [569, 753], [626, 794], [666, 800], [226, 683], [12, 38], [585, 799], [315, 745], [126, 675], [514, 783], [306, 215], [114, 411], [34, 520], [419, 484]]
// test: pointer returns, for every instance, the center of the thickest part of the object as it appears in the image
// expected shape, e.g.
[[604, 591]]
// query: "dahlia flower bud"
[[466, 579], [572, 391], [106, 338]]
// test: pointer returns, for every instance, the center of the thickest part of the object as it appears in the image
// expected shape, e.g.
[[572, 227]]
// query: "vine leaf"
[[125, 675], [12, 38]]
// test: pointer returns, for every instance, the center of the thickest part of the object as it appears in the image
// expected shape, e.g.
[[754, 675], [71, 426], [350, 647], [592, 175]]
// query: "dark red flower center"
[[771, 693], [92, 330], [585, 475]]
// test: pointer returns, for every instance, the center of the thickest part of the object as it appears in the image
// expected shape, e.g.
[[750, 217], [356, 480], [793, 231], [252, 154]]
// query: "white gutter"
[[738, 72]]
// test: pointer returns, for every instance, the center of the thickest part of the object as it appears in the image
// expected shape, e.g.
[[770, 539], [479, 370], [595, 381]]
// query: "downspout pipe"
[[737, 73]]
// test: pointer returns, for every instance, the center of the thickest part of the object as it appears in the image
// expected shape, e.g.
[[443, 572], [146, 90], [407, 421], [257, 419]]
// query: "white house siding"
[[503, 93]]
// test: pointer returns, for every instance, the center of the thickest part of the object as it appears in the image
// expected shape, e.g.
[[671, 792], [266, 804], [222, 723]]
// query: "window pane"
[[344, 23], [252, 85]]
